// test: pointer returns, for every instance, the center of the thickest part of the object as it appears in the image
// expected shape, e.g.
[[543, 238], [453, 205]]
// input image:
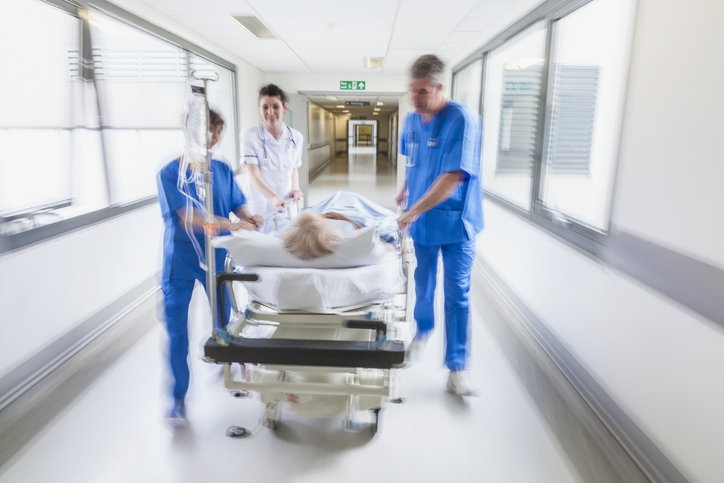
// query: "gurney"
[[320, 353]]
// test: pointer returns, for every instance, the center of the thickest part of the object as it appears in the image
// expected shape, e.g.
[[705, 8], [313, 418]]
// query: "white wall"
[[49, 288], [319, 126], [341, 123], [382, 132], [392, 148], [660, 362]]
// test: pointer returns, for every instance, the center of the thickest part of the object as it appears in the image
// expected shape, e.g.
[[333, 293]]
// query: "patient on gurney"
[[313, 235], [336, 250]]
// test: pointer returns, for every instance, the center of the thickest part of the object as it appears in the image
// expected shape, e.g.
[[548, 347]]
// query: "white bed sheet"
[[326, 290]]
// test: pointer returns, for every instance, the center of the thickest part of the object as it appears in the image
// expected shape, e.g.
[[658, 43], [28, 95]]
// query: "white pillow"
[[250, 248]]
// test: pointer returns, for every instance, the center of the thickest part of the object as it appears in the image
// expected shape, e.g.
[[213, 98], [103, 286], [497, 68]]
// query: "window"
[[511, 108], [467, 85], [553, 93], [142, 87], [92, 110], [36, 121], [588, 79]]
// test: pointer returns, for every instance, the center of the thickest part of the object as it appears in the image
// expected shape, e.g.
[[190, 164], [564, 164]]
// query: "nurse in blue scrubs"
[[443, 196], [181, 265]]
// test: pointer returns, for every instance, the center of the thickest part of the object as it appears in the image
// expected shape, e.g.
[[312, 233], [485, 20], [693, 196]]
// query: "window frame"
[[580, 234], [14, 241]]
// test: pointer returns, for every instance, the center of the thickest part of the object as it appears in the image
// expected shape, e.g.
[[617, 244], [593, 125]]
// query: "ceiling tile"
[[423, 25], [409, 28], [322, 8], [398, 61]]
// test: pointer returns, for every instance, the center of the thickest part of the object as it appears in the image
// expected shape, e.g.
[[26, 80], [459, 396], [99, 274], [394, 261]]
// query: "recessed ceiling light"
[[341, 107], [380, 103], [377, 108], [345, 110], [373, 62], [254, 27], [375, 113], [331, 98]]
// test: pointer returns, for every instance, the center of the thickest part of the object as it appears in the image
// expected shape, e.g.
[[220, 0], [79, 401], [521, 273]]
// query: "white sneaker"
[[461, 383], [415, 349]]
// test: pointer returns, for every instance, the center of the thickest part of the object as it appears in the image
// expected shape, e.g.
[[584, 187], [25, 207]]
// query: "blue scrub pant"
[[457, 262], [176, 299]]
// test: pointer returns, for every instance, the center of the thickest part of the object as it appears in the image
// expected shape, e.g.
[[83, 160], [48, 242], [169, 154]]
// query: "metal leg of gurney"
[[272, 415]]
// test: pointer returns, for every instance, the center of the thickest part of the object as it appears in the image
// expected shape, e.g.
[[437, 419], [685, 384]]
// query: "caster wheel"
[[272, 424], [236, 432], [374, 427], [350, 426]]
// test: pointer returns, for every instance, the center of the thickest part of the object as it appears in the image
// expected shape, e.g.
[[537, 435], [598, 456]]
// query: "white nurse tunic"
[[276, 160]]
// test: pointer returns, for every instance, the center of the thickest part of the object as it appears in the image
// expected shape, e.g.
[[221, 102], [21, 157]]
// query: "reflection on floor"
[[362, 171], [114, 432]]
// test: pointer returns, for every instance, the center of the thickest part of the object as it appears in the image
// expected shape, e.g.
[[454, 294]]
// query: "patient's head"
[[310, 236]]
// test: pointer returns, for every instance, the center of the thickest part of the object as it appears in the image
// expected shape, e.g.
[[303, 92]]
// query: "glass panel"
[[142, 85], [589, 74], [220, 95], [510, 115], [467, 86], [36, 117]]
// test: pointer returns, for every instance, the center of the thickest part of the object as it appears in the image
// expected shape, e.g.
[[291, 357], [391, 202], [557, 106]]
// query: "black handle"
[[221, 278], [377, 325]]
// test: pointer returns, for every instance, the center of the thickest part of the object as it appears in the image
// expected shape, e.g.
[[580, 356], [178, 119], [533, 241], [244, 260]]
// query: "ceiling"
[[333, 36]]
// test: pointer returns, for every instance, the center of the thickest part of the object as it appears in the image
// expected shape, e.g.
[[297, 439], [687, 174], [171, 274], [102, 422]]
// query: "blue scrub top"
[[451, 141], [180, 260]]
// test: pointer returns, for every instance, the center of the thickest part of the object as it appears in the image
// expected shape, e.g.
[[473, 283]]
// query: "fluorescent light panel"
[[254, 27], [373, 62]]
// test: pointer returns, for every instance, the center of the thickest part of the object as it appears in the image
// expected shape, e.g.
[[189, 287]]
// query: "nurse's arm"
[[438, 192], [400, 197], [296, 194], [243, 213], [198, 221], [261, 186]]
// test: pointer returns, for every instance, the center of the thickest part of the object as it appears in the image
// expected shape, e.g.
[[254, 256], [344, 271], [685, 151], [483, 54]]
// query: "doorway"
[[362, 135]]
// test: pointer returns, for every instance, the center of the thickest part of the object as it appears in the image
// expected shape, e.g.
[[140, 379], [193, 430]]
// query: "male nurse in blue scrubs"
[[442, 141], [181, 266]]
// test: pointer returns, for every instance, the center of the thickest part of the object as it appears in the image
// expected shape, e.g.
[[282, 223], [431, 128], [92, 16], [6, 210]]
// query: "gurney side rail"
[[311, 388]]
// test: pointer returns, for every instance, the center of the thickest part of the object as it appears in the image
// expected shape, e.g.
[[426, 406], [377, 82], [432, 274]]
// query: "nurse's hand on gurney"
[[296, 195], [247, 221], [405, 219]]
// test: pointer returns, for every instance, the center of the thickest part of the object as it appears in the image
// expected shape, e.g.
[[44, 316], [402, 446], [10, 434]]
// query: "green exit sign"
[[352, 85]]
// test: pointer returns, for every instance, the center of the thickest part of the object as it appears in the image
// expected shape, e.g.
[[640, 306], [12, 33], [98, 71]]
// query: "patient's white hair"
[[310, 236]]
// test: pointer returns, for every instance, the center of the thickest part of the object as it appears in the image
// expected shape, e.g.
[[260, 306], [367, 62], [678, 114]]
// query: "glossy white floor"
[[114, 432]]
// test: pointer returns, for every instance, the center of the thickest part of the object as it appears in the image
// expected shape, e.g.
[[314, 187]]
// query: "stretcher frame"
[[365, 387]]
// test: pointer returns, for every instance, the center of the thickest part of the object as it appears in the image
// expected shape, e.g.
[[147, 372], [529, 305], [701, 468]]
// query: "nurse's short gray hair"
[[428, 67], [310, 236]]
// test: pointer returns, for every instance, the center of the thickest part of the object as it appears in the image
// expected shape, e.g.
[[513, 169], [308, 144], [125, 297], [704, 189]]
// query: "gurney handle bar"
[[230, 277], [377, 325]]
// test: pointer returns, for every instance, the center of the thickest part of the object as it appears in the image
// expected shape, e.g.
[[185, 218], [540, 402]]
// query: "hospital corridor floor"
[[114, 431]]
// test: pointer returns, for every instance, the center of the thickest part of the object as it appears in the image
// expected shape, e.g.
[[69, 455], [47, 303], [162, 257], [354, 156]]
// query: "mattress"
[[326, 290]]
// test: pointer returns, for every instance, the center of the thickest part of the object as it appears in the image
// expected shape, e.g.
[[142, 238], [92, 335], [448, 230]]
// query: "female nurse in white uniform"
[[272, 152]]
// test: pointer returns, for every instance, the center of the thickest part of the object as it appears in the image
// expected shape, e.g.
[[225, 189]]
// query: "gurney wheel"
[[270, 419], [375, 421], [272, 424]]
